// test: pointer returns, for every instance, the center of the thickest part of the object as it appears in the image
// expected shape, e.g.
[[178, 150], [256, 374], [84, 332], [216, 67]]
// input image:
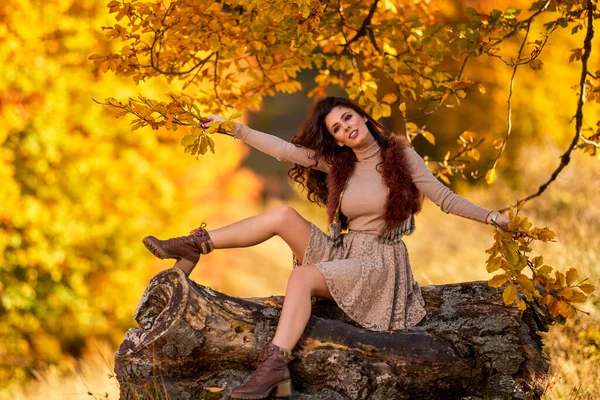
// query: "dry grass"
[[447, 249], [88, 378]]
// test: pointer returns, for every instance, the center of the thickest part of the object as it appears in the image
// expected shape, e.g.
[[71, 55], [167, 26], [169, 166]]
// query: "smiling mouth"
[[353, 134]]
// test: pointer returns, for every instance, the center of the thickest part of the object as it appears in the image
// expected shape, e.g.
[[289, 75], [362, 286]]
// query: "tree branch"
[[566, 157], [365, 26]]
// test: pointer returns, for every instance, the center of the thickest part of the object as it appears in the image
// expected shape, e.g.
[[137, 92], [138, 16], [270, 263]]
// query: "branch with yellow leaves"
[[553, 296], [181, 111]]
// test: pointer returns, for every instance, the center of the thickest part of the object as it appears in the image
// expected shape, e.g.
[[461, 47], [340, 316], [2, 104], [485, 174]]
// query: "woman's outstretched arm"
[[446, 199], [279, 148]]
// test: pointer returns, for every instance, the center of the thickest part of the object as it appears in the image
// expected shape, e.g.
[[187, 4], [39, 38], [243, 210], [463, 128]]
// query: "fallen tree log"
[[193, 342]]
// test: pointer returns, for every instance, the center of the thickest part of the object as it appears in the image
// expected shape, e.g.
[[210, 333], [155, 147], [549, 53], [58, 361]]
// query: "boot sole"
[[153, 245], [284, 389]]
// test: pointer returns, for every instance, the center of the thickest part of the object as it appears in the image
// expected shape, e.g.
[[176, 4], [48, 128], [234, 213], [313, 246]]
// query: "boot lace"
[[200, 231]]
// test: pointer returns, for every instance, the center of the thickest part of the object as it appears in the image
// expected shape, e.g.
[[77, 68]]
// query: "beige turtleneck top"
[[363, 201]]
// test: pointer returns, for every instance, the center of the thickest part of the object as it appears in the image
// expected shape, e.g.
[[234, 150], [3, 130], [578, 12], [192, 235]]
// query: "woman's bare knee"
[[284, 215], [309, 278], [292, 228]]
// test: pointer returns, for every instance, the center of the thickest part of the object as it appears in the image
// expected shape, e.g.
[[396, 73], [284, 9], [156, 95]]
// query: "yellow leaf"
[[587, 287], [546, 234], [571, 276], [536, 64], [545, 270], [526, 286], [526, 225], [564, 309], [565, 292], [445, 179], [411, 126], [560, 279], [468, 136], [429, 136], [403, 109], [522, 305], [498, 280], [510, 294], [305, 11], [461, 93], [481, 88], [577, 297], [494, 264], [271, 303], [490, 176], [376, 112], [547, 299], [390, 98], [214, 389], [474, 154], [498, 143], [235, 115], [386, 110]]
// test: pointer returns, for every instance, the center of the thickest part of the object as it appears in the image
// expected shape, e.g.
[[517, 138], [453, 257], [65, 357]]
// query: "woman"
[[371, 184]]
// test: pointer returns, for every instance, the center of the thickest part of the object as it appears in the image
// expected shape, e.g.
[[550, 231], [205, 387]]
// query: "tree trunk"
[[191, 341]]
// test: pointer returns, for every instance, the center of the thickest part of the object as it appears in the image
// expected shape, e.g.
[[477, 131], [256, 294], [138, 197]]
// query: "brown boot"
[[184, 248], [272, 371]]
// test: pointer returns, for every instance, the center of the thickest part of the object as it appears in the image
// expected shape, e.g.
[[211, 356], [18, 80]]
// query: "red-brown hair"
[[314, 135]]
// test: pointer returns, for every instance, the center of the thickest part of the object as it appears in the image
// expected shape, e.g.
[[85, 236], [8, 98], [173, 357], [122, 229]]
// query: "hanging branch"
[[566, 157], [510, 93]]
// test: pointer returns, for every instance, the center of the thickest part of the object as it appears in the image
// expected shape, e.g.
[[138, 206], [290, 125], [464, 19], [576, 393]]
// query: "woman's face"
[[348, 127]]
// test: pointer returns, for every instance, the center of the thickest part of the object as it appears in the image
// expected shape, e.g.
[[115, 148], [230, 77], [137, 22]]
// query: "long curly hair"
[[314, 135]]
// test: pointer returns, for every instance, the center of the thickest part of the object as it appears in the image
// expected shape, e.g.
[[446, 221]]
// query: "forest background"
[[79, 189]]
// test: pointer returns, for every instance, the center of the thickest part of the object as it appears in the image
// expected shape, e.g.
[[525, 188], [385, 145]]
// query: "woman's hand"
[[502, 222], [205, 124]]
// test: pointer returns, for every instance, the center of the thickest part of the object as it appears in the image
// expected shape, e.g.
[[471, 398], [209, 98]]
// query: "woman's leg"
[[272, 371], [305, 282], [282, 221]]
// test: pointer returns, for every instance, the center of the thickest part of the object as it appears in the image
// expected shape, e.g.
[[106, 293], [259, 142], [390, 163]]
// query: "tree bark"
[[193, 342]]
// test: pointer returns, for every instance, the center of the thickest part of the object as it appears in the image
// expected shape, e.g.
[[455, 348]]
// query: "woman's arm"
[[279, 148], [446, 199]]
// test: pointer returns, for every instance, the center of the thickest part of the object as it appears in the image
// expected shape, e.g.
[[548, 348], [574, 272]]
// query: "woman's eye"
[[348, 117]]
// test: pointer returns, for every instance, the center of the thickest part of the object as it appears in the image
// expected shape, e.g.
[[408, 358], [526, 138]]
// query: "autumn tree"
[[393, 57], [245, 50]]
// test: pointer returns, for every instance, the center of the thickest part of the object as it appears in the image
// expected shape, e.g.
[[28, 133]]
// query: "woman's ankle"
[[185, 265]]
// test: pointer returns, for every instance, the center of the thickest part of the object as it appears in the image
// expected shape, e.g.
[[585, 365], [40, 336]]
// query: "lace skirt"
[[370, 281]]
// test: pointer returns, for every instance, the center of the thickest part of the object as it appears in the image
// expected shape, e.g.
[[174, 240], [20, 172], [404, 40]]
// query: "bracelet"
[[494, 217]]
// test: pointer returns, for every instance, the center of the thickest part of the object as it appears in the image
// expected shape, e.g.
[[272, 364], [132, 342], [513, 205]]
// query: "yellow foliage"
[[510, 294], [499, 280], [80, 188], [509, 253]]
